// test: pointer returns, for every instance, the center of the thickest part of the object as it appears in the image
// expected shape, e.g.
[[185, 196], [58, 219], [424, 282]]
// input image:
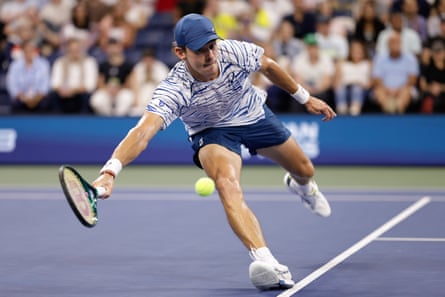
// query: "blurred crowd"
[[105, 57]]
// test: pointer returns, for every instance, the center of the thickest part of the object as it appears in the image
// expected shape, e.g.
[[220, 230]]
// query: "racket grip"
[[101, 191]]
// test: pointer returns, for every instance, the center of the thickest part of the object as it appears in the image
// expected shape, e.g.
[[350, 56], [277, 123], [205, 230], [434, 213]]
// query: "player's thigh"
[[220, 163], [290, 156]]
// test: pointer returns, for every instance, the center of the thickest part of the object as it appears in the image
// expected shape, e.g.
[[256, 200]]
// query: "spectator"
[[410, 39], [24, 31], [412, 19], [331, 44], [314, 69], [147, 74], [341, 21], [435, 18], [74, 78], [302, 19], [54, 15], [352, 80], [277, 10], [80, 26], [432, 79], [286, 46], [424, 6], [114, 96], [225, 24], [395, 76], [14, 11], [27, 82], [368, 26], [97, 9], [139, 13], [261, 26], [115, 25]]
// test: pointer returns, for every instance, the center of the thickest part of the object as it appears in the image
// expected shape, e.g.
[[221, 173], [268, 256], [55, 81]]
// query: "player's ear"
[[179, 52]]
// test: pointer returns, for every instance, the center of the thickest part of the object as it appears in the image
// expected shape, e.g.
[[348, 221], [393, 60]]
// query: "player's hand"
[[106, 181], [317, 106]]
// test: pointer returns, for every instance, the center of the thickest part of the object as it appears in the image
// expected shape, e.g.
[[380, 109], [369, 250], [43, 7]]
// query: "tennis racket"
[[81, 195]]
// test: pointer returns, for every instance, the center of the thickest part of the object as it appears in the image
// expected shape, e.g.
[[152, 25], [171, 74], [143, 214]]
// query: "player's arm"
[[282, 79], [128, 149]]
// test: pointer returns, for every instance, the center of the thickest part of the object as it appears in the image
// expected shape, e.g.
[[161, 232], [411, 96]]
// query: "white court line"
[[356, 247], [411, 239]]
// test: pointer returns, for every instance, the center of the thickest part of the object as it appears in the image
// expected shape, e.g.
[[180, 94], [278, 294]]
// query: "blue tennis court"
[[169, 242]]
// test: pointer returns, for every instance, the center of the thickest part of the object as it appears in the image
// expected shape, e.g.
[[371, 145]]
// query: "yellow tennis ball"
[[204, 186]]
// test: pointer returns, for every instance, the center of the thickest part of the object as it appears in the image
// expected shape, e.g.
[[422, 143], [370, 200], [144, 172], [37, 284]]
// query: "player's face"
[[203, 63]]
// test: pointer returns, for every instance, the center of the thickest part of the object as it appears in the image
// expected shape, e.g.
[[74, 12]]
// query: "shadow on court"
[[173, 244]]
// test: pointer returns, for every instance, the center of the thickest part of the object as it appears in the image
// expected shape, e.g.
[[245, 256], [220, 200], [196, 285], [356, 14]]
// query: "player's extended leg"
[[299, 178], [224, 167]]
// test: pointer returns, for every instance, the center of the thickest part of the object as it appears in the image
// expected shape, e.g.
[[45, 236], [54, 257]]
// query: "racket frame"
[[91, 195]]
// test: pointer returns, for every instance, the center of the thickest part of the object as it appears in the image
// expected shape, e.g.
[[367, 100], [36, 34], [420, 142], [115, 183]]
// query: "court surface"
[[158, 238]]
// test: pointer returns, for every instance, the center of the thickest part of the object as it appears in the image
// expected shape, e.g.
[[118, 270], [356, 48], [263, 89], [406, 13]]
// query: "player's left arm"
[[278, 76]]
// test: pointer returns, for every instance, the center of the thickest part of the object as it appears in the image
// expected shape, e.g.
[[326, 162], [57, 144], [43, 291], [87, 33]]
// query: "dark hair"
[[362, 45]]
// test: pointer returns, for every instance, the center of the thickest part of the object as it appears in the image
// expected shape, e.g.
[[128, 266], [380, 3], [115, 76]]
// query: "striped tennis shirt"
[[229, 100]]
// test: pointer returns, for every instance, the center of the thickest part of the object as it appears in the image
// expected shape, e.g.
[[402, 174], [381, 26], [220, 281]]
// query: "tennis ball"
[[204, 186]]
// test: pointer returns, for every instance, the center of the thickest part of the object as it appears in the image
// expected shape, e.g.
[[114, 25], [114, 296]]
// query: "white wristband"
[[301, 95], [113, 167]]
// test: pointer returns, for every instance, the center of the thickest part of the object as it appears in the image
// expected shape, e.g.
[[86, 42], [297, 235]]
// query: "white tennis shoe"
[[268, 276], [315, 200]]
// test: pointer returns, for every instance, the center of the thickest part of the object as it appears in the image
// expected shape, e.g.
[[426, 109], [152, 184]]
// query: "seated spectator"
[[314, 70], [97, 9], [24, 31], [27, 82], [73, 78], [395, 76], [80, 26], [368, 26], [302, 19], [432, 79], [352, 80], [436, 16], [14, 11], [139, 13], [53, 16], [413, 19], [261, 26], [410, 39], [339, 14], [286, 47], [331, 44], [115, 25], [114, 95], [147, 74], [226, 24]]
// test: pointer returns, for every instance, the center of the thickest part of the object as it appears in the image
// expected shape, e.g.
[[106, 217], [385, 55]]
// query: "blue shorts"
[[267, 132]]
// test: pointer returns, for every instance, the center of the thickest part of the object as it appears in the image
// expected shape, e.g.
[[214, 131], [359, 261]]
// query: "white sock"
[[306, 189], [262, 254]]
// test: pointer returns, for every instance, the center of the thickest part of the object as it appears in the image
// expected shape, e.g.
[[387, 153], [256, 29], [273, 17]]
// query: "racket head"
[[81, 196]]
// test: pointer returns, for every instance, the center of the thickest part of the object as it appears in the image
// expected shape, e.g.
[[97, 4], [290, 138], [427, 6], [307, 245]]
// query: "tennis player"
[[210, 91]]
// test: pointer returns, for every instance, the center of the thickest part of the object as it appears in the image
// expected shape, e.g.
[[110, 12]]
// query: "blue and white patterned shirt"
[[229, 100]]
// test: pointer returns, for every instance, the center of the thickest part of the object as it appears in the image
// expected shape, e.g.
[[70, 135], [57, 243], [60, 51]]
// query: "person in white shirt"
[[210, 91], [314, 69], [410, 39], [147, 74], [74, 78], [352, 80]]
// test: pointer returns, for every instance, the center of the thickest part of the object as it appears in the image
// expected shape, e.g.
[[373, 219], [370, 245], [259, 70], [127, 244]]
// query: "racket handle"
[[101, 191]]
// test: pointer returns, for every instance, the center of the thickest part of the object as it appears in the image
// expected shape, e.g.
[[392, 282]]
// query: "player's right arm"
[[131, 147]]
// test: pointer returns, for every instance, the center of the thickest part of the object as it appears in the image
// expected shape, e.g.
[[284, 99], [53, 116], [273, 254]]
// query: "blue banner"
[[363, 140]]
